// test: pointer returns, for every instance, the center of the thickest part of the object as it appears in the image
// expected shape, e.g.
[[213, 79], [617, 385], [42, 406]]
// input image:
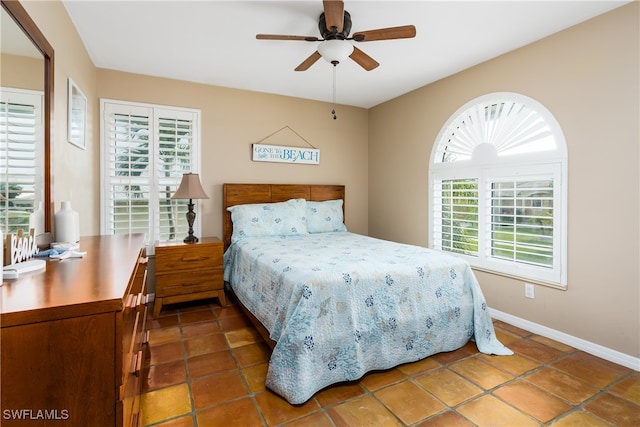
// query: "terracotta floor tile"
[[276, 410], [255, 376], [553, 343], [186, 421], [165, 403], [252, 354], [216, 389], [376, 380], [203, 328], [234, 413], [490, 411], [318, 419], [447, 419], [232, 323], [514, 364], [562, 385], [163, 336], [448, 386], [205, 344], [619, 412], [481, 373], [210, 363], [228, 311], [498, 324], [595, 374], [419, 367], [452, 356], [214, 359], [339, 393], [409, 402], [629, 388], [579, 419], [363, 411], [243, 336], [532, 400], [196, 316], [506, 337], [162, 321], [165, 353], [590, 358], [536, 350], [166, 374]]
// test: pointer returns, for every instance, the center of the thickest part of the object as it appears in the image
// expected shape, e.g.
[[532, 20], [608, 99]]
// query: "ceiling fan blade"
[[334, 14], [309, 61], [364, 60], [285, 37], [403, 32]]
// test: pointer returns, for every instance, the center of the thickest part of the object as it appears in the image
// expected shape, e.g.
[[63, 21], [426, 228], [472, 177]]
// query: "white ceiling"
[[214, 42]]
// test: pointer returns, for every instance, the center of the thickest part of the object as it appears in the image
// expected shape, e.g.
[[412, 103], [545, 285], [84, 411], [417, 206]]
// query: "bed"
[[334, 305]]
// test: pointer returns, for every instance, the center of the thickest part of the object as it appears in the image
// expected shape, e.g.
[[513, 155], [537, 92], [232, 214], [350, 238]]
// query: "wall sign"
[[281, 154]]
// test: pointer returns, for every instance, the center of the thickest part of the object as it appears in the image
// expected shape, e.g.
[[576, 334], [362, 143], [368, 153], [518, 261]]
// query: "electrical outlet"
[[529, 291]]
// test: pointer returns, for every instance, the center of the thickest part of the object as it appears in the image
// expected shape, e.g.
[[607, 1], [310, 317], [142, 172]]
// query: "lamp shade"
[[335, 50], [190, 188]]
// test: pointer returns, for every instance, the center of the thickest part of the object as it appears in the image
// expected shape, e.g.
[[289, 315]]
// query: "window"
[[498, 193], [145, 151], [21, 157]]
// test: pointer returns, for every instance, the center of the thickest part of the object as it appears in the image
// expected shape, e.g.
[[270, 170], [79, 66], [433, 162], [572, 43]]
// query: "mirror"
[[27, 57]]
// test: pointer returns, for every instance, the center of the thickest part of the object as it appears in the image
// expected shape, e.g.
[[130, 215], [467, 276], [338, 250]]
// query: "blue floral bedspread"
[[342, 304]]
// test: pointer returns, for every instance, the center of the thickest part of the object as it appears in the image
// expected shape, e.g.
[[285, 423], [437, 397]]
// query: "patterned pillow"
[[268, 219], [323, 217]]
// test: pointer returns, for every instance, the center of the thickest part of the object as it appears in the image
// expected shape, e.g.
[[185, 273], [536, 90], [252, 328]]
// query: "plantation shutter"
[[20, 157], [456, 215], [146, 150], [522, 221]]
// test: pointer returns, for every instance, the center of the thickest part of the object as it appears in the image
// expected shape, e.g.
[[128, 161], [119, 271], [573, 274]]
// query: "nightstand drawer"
[[187, 258], [187, 282]]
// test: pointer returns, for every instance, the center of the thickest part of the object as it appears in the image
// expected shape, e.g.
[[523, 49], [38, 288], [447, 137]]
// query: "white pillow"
[[268, 219], [323, 217]]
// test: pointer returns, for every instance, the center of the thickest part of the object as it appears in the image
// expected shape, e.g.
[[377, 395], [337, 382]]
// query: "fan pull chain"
[[333, 111]]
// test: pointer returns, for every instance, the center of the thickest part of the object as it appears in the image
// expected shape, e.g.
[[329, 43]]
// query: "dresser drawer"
[[170, 259], [187, 282]]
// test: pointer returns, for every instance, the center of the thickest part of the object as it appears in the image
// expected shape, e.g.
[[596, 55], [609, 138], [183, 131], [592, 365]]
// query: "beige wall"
[[75, 172], [231, 121], [234, 119], [21, 72], [588, 77]]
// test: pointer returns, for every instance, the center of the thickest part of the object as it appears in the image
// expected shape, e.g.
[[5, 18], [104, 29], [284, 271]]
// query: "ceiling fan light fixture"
[[335, 50]]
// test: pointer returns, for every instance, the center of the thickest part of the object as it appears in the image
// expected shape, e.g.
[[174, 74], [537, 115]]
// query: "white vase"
[[67, 223], [36, 220]]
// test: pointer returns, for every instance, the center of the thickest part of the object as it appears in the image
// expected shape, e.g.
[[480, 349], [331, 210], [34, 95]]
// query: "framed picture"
[[77, 116]]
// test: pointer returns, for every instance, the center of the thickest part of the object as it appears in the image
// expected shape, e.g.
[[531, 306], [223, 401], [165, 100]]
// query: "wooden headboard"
[[240, 194]]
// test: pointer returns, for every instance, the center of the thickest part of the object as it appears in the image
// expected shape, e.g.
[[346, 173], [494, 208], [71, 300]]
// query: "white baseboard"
[[575, 342]]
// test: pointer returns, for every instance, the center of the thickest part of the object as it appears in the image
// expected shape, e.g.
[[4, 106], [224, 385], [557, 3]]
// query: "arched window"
[[498, 188]]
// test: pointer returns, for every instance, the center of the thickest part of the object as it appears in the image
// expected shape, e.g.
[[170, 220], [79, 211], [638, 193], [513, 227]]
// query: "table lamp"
[[190, 188]]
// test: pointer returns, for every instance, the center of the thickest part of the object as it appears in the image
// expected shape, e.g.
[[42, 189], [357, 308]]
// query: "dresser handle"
[[195, 258], [129, 303], [138, 363]]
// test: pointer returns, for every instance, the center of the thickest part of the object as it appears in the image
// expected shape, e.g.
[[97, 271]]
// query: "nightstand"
[[187, 272]]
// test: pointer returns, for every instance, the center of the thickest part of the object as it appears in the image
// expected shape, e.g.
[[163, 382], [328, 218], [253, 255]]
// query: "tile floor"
[[206, 367]]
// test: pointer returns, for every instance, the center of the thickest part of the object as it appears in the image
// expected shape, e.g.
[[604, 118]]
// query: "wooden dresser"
[[71, 343], [188, 271]]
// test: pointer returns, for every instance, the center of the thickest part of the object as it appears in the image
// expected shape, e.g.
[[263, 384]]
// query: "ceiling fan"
[[334, 25]]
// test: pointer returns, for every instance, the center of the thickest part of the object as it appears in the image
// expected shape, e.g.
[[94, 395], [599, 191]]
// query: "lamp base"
[[190, 239], [191, 217]]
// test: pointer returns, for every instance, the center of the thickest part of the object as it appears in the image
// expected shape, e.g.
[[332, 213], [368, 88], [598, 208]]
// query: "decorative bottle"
[[67, 223]]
